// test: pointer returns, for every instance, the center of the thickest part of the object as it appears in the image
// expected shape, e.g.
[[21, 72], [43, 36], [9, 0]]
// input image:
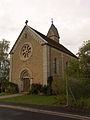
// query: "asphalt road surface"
[[13, 114]]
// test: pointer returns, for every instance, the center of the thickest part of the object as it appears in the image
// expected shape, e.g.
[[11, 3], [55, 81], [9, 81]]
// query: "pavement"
[[14, 114], [82, 114]]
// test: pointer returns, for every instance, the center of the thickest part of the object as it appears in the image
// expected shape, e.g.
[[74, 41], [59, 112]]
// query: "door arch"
[[25, 78]]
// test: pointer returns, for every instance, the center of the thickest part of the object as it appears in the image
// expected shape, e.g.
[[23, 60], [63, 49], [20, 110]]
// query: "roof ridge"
[[55, 44]]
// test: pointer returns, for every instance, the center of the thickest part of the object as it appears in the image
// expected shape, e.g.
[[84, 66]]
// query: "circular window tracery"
[[26, 51]]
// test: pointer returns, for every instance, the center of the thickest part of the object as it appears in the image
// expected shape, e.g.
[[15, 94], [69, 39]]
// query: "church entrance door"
[[26, 84], [25, 78]]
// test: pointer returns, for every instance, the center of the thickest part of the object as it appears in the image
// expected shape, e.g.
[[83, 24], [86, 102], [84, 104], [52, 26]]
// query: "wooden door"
[[26, 84]]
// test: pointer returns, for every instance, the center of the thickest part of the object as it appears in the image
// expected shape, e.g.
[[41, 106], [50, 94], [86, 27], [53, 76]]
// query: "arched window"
[[55, 66], [67, 65]]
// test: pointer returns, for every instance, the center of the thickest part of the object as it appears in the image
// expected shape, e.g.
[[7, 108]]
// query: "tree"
[[81, 67], [84, 56], [79, 72], [4, 60], [74, 69]]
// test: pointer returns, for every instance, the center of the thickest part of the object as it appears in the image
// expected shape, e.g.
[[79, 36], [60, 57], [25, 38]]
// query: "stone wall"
[[33, 64], [62, 60]]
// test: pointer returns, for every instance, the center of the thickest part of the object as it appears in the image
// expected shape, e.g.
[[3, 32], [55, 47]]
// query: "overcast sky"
[[71, 17]]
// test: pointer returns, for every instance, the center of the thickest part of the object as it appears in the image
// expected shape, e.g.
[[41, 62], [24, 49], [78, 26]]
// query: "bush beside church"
[[9, 87]]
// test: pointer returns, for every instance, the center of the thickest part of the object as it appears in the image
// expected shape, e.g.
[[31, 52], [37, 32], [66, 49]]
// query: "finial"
[[52, 20], [26, 22]]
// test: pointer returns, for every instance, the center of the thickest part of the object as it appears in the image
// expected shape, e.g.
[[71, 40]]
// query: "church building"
[[35, 57]]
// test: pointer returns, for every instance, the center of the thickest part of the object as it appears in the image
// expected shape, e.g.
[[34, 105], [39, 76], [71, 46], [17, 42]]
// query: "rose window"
[[26, 51]]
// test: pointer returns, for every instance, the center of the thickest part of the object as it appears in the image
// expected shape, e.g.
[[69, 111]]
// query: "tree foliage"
[[4, 47], [74, 68], [4, 60], [80, 68], [84, 56], [79, 72]]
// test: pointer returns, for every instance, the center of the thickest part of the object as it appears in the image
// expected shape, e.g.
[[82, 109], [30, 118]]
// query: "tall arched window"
[[55, 66], [67, 65]]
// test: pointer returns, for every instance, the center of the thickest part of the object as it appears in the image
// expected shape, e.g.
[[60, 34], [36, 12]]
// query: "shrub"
[[81, 85], [12, 88], [36, 89], [49, 81], [9, 87], [45, 90], [61, 99], [49, 86], [58, 86]]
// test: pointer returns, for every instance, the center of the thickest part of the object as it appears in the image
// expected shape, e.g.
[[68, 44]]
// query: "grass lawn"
[[32, 99], [44, 100]]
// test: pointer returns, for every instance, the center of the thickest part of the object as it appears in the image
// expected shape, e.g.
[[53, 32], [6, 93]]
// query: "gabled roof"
[[50, 42], [55, 44]]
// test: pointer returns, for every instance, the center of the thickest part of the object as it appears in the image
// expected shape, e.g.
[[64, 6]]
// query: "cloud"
[[71, 17]]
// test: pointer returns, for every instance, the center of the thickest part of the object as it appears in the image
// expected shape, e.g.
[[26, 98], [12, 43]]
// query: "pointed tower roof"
[[53, 33]]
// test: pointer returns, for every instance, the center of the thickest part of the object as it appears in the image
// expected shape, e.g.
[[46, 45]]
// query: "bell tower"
[[53, 33]]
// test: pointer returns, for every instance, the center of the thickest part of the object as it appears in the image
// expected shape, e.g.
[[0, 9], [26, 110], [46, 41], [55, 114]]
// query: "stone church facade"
[[35, 57]]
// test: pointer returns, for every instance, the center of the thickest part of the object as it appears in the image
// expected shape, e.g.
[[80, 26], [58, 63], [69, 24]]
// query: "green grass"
[[32, 99], [46, 100]]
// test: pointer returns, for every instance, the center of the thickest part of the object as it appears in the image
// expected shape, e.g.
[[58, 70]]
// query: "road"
[[14, 114]]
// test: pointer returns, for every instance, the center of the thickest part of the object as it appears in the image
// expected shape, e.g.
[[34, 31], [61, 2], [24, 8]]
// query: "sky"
[[71, 18]]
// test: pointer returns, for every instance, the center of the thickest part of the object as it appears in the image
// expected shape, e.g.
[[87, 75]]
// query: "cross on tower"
[[52, 20], [26, 22]]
